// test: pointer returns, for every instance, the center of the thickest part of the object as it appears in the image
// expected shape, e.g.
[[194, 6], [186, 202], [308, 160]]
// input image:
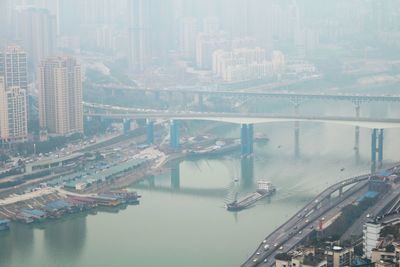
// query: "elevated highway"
[[206, 91], [371, 123], [298, 227]]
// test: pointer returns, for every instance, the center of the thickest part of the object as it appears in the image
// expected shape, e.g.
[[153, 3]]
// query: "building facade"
[[13, 95], [339, 257], [371, 233], [60, 96], [13, 67]]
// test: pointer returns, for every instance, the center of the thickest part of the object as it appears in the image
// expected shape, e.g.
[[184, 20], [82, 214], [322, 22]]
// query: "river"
[[181, 220]]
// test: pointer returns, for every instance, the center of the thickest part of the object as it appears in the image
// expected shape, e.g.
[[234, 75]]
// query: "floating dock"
[[4, 225]]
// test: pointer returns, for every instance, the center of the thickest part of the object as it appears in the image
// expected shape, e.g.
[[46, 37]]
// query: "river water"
[[181, 220]]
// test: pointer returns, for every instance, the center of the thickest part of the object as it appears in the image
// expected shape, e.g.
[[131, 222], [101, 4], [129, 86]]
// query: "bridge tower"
[[157, 96], [175, 176], [150, 131], [198, 98], [373, 151], [357, 104], [127, 125], [247, 172], [297, 131], [376, 149], [247, 139], [174, 134], [380, 148]]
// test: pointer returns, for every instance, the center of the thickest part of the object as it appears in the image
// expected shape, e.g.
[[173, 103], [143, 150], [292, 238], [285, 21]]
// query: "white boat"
[[265, 187]]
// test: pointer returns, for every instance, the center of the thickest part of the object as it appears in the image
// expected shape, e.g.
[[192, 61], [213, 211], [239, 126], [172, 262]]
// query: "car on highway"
[[266, 247], [264, 241], [281, 248], [276, 244], [255, 260], [300, 232]]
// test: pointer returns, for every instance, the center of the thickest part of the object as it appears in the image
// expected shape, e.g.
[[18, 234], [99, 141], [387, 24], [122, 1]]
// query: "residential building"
[[386, 253], [245, 64], [371, 233], [13, 95], [60, 96], [13, 113], [339, 256], [13, 67], [304, 258]]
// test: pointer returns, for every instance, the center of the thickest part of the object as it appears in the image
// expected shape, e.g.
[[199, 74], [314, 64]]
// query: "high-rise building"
[[13, 114], [13, 95], [60, 96], [187, 40], [139, 15], [13, 67], [150, 32], [37, 31]]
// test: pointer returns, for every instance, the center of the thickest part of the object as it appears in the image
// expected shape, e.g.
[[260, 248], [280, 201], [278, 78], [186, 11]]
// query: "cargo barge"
[[265, 189]]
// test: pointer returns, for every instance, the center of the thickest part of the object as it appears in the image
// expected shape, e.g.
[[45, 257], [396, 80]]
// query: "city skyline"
[[252, 133]]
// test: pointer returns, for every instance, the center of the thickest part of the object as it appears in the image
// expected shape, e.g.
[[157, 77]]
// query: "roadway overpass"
[[371, 123], [206, 91], [305, 221], [247, 122]]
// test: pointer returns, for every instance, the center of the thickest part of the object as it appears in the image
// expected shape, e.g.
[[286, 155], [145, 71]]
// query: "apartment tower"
[[13, 95], [60, 96]]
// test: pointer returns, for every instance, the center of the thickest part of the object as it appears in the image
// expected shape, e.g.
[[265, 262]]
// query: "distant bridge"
[[371, 123], [298, 97]]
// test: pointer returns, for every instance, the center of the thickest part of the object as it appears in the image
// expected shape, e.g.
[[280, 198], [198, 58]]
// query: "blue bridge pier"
[[357, 104], [247, 139], [150, 131], [376, 149], [297, 130], [175, 176], [174, 135]]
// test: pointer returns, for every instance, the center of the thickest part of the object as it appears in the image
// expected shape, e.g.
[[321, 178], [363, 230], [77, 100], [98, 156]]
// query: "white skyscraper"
[[13, 95]]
